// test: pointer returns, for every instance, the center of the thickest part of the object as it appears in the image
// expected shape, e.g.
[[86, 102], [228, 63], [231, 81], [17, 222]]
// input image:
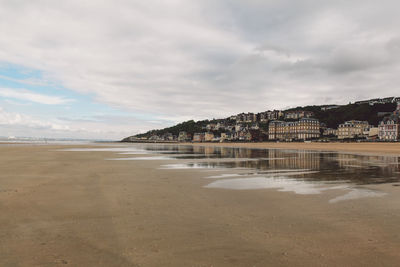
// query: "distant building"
[[298, 114], [208, 137], [198, 137], [167, 137], [373, 133], [374, 101], [246, 118], [330, 132], [155, 138], [264, 117], [304, 129], [270, 115], [211, 126], [183, 137], [226, 137], [389, 127], [329, 107], [353, 129]]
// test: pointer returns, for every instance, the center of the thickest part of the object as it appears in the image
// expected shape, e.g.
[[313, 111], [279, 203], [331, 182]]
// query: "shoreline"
[[392, 149]]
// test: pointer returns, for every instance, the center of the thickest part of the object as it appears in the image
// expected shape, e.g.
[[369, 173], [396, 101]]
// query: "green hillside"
[[364, 112]]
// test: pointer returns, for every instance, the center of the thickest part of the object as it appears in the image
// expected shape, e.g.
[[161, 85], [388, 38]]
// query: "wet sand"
[[367, 148], [63, 208]]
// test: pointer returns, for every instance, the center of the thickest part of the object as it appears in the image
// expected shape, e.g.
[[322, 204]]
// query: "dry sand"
[[77, 209]]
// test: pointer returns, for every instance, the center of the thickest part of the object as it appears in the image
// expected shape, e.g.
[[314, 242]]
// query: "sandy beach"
[[61, 208]]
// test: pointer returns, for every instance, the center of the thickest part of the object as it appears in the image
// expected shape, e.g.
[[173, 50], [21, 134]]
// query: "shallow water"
[[298, 171]]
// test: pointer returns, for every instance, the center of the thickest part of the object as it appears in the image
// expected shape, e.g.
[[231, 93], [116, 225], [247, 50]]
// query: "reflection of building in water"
[[209, 150], [389, 164], [227, 152], [295, 160], [270, 159]]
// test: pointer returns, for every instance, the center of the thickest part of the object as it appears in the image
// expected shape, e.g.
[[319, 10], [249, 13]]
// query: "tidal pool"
[[298, 171]]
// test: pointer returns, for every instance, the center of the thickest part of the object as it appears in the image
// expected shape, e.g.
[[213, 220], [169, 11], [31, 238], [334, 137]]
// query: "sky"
[[105, 69]]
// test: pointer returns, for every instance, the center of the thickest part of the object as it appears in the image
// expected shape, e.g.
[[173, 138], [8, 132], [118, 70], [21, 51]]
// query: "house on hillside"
[[298, 114], [270, 115]]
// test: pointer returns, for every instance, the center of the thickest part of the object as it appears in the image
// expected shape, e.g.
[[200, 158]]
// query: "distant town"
[[369, 120]]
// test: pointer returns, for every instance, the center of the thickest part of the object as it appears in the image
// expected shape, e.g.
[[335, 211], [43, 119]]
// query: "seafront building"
[[184, 137], [353, 129], [226, 137], [373, 133], [389, 127], [198, 137], [330, 132], [292, 125], [208, 137], [304, 129]]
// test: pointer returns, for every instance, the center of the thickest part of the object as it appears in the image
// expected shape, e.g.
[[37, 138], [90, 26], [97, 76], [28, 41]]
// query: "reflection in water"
[[266, 174], [331, 166], [299, 171], [357, 193], [282, 183]]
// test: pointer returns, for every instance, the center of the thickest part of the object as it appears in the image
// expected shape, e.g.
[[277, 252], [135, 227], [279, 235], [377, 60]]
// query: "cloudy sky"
[[109, 69]]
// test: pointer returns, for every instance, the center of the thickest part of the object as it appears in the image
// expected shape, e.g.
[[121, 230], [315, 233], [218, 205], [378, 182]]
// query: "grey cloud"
[[208, 58]]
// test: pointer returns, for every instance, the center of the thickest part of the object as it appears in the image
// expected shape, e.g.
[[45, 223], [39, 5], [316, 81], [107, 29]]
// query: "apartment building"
[[389, 127], [304, 129], [353, 129]]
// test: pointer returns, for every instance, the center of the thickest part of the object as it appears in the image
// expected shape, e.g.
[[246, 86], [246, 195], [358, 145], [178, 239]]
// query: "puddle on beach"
[[298, 171]]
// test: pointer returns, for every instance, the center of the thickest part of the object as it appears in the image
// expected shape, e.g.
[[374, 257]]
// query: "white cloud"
[[22, 94], [12, 118], [202, 59], [97, 127]]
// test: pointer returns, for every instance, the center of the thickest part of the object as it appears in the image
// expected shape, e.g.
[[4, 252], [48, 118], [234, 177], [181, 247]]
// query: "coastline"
[[392, 149]]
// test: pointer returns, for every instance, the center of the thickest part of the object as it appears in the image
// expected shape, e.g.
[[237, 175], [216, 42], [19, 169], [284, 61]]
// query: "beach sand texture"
[[60, 208]]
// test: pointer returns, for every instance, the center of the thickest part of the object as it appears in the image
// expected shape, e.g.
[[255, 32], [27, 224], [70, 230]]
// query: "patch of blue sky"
[[33, 81], [79, 106], [12, 71]]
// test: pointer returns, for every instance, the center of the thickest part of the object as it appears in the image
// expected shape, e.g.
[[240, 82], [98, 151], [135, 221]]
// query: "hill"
[[363, 112], [330, 117]]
